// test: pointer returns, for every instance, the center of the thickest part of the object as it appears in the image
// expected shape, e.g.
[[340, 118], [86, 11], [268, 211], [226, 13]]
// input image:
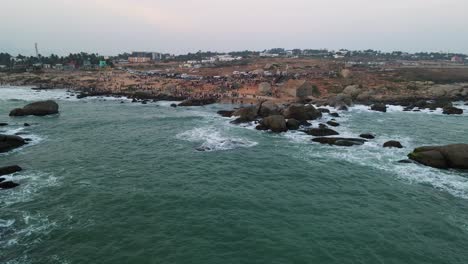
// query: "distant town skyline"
[[110, 27]]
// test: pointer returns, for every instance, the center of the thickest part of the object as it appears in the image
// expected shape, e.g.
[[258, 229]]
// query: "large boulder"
[[343, 142], [352, 90], [8, 185], [301, 112], [293, 124], [268, 108], [442, 157], [225, 113], [41, 108], [8, 142], [340, 100], [9, 170], [321, 132], [245, 114], [198, 102], [379, 108], [275, 123], [451, 110]]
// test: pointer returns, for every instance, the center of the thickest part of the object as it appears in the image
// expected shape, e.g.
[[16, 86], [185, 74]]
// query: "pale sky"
[[179, 26]]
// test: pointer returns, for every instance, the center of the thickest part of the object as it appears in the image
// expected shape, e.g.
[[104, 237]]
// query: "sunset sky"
[[179, 26]]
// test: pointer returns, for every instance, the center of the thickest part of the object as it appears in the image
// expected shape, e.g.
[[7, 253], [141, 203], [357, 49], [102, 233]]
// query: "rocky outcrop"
[[8, 142], [379, 108], [352, 90], [276, 123], [264, 88], [343, 142], [442, 157], [321, 132], [451, 110], [293, 124], [41, 108], [340, 101], [245, 114], [198, 102], [301, 112], [9, 170], [268, 108], [392, 144]]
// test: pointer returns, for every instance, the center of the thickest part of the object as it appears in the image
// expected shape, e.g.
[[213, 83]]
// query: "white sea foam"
[[28, 94], [31, 184], [214, 140]]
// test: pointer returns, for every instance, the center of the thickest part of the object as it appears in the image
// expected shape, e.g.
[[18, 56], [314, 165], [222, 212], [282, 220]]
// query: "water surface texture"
[[106, 182]]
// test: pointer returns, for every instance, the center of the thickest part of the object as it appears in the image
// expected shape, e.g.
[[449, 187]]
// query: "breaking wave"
[[213, 140]]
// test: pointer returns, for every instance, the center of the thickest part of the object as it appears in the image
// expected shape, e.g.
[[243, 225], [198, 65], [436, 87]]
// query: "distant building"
[[457, 59], [143, 57]]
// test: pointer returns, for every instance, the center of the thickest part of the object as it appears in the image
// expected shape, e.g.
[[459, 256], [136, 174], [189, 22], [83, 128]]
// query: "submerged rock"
[[443, 157], [8, 185], [333, 123], [334, 114], [367, 136], [321, 132], [9, 170], [8, 142], [343, 142], [392, 144], [41, 108], [3, 124], [174, 105]]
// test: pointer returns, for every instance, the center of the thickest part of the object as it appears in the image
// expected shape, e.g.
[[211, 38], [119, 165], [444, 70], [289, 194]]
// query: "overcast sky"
[[179, 26]]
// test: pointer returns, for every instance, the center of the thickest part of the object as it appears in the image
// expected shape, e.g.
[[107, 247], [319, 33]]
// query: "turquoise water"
[[106, 182]]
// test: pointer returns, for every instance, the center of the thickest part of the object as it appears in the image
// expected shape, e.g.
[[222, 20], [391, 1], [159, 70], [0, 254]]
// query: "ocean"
[[111, 182]]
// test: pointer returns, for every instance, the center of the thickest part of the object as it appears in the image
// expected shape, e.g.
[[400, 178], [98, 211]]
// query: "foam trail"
[[213, 140]]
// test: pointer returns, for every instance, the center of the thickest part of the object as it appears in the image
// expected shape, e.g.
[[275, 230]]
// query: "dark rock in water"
[[379, 108], [134, 100], [9, 170], [321, 132], [2, 179], [198, 102], [261, 127], [26, 124], [442, 157], [451, 110], [392, 144], [246, 114], [323, 110], [405, 161], [322, 125], [122, 102], [27, 140], [144, 102], [268, 108], [343, 108], [305, 123], [333, 123], [21, 133], [344, 142], [301, 112], [225, 113], [416, 110], [367, 136], [3, 124], [174, 105], [41, 108], [293, 124], [8, 142], [408, 108], [275, 123], [335, 114], [8, 185]]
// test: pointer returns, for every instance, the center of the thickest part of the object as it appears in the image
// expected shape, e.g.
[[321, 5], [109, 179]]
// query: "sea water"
[[112, 182]]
